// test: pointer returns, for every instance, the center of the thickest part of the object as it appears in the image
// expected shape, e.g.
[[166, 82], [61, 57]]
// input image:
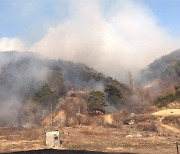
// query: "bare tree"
[[131, 81]]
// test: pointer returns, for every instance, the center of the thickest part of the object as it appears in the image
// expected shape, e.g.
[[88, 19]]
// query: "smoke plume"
[[9, 44], [21, 74], [124, 36]]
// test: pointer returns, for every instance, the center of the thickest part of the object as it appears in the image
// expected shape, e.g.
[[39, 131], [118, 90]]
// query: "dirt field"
[[124, 139], [147, 133]]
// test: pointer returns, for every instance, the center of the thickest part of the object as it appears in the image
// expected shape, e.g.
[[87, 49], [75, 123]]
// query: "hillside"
[[91, 111], [162, 79], [167, 66], [29, 84]]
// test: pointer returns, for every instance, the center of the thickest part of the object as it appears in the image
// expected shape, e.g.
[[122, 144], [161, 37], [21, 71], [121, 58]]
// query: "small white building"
[[52, 138]]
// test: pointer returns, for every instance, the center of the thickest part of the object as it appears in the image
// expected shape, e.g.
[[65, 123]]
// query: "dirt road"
[[168, 112]]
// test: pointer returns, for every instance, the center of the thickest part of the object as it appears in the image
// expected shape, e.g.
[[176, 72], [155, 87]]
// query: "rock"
[[129, 136]]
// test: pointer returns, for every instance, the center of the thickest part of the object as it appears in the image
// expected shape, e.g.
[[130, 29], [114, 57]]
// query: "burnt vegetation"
[[163, 101], [32, 87], [90, 110], [166, 72], [167, 67], [31, 84]]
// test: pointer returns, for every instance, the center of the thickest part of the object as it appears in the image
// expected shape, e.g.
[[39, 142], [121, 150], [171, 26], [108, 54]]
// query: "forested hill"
[[28, 66], [26, 77], [167, 66]]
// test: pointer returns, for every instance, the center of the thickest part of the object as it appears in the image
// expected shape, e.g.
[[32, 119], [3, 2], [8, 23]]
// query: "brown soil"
[[144, 133], [125, 139]]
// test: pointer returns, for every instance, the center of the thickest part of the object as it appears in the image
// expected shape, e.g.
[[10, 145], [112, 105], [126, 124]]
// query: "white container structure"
[[52, 138]]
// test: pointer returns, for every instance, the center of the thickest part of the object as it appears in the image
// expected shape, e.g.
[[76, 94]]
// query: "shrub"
[[165, 100], [96, 100]]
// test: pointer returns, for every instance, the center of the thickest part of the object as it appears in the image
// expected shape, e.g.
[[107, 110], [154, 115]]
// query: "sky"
[[18, 17], [167, 12], [110, 35]]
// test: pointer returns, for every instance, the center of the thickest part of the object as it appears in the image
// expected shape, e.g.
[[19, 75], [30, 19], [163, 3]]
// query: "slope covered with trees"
[[163, 79], [167, 66], [30, 85]]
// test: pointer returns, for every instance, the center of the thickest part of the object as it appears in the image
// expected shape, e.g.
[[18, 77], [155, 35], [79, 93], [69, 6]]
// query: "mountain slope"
[[162, 79], [29, 84], [166, 66]]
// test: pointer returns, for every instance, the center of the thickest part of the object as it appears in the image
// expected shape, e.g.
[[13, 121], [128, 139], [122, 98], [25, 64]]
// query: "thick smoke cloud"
[[20, 76], [126, 36], [7, 44], [129, 39]]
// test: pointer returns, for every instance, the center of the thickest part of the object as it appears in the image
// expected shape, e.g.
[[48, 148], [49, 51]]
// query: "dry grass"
[[90, 131], [92, 138], [97, 138]]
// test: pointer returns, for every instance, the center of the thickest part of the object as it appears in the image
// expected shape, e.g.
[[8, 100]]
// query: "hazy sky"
[[110, 35], [18, 18]]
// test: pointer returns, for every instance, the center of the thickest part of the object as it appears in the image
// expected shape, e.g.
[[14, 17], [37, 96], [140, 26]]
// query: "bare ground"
[[90, 139], [149, 134]]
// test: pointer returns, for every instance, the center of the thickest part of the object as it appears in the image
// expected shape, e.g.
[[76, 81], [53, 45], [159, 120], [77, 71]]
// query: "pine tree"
[[96, 100]]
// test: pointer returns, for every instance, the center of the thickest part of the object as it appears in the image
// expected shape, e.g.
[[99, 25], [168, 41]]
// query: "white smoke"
[[126, 36], [7, 44]]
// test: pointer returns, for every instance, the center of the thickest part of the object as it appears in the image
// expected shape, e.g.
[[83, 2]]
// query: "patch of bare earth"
[[125, 139], [144, 133]]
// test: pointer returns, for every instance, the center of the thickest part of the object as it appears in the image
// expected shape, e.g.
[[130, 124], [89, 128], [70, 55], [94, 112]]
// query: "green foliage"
[[177, 94], [45, 95], [114, 93], [29, 77], [50, 91], [164, 100], [96, 100], [55, 81]]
